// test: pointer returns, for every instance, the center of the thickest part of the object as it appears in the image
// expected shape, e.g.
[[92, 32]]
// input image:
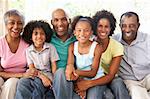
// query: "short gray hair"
[[12, 13]]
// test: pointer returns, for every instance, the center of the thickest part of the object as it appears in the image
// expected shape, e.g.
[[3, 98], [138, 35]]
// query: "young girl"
[[87, 53], [41, 57]]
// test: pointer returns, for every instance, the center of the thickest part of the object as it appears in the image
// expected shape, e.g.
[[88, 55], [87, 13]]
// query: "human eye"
[[11, 22], [132, 26], [64, 19], [55, 20], [123, 26], [42, 33], [87, 30], [78, 30], [35, 33], [20, 23], [99, 26]]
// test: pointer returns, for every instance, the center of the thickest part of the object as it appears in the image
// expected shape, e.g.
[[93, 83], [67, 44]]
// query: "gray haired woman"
[[12, 54]]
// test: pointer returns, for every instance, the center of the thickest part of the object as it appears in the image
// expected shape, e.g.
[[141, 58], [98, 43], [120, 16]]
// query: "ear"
[[120, 25], [69, 20], [74, 32], [139, 25], [51, 22]]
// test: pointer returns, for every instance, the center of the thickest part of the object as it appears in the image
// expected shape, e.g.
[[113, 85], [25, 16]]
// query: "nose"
[[82, 32], [38, 35], [59, 22], [16, 25], [103, 29], [127, 29]]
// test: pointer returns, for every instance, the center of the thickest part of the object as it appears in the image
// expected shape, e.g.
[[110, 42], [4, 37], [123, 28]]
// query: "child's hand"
[[74, 76], [69, 71], [82, 94], [45, 80], [30, 73]]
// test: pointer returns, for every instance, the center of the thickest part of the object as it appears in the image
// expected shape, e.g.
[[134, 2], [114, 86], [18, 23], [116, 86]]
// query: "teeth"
[[60, 28], [82, 37], [128, 34], [15, 31], [103, 34]]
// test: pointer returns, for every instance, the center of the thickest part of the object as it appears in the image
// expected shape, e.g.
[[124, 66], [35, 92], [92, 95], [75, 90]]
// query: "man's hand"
[[69, 72]]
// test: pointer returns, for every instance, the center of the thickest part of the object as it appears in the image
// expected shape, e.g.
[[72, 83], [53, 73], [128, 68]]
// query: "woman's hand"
[[82, 94], [82, 85]]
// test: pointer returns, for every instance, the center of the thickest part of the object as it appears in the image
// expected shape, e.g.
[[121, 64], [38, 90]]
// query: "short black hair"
[[108, 15], [129, 14], [28, 30]]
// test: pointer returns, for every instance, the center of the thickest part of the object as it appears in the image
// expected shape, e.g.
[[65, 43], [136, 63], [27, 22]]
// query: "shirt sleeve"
[[28, 56], [53, 54], [118, 49], [1, 44]]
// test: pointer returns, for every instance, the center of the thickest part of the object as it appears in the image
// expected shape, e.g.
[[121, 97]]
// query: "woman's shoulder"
[[115, 42], [116, 47], [2, 38], [24, 43], [2, 43]]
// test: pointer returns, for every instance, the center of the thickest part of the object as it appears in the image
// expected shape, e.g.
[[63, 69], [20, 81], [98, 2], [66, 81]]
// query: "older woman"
[[12, 54]]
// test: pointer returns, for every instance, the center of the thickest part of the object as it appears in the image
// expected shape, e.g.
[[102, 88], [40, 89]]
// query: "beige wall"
[[3, 8]]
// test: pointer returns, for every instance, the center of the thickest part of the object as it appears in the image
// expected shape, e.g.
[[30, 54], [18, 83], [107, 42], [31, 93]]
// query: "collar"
[[70, 36], [32, 48]]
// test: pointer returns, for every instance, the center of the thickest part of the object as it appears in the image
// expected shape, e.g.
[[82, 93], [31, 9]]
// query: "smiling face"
[[83, 31], [103, 28], [14, 26], [38, 37], [60, 22], [129, 27]]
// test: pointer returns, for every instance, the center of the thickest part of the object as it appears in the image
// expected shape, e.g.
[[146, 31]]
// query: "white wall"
[[41, 9]]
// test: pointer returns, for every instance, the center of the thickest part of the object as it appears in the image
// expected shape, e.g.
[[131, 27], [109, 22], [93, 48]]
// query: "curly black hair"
[[108, 15], [30, 26], [82, 18]]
